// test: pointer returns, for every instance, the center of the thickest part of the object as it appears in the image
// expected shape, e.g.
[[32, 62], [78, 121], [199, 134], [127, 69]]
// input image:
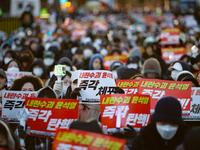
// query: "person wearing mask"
[[13, 66], [96, 62], [38, 69], [26, 58], [166, 130], [177, 67], [49, 61], [113, 68], [78, 59], [9, 55], [151, 69], [132, 62], [88, 52], [27, 83]]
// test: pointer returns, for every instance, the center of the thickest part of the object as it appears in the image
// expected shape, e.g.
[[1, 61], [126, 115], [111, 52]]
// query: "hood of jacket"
[[92, 59]]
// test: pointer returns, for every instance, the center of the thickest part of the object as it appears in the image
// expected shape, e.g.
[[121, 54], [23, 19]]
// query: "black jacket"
[[150, 139]]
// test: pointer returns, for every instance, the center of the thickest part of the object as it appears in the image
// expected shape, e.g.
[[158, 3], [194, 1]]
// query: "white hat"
[[176, 66]]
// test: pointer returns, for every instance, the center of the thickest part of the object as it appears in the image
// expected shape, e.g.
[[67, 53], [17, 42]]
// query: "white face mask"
[[64, 89], [104, 52], [13, 69], [167, 131], [174, 74], [73, 85], [38, 71], [68, 68], [48, 61], [13, 47], [73, 50], [132, 65], [115, 74], [6, 60], [87, 53]]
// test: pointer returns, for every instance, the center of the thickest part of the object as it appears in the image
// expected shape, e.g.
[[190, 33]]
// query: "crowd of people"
[[137, 35]]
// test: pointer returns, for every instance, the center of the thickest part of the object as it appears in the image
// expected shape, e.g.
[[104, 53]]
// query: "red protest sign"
[[46, 115], [170, 36], [129, 86], [161, 88], [135, 110], [108, 60], [83, 140], [175, 53]]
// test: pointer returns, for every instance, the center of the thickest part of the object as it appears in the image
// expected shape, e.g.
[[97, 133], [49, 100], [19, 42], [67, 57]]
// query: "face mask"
[[68, 68], [6, 60], [13, 47], [104, 52], [174, 74], [166, 131], [13, 69], [48, 61], [114, 74], [64, 89], [38, 71], [131, 65], [73, 50], [25, 58], [87, 53], [73, 85]]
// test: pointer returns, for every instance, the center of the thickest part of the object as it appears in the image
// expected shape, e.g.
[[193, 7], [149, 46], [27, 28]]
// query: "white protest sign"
[[12, 101], [94, 83], [11, 76]]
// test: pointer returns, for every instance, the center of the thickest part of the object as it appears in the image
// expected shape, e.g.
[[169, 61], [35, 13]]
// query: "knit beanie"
[[151, 65], [168, 109], [126, 73]]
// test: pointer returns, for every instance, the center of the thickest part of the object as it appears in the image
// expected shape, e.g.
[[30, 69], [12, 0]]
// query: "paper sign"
[[175, 52], [11, 76], [12, 102], [195, 105], [135, 110], [100, 25], [170, 36], [79, 32], [108, 60], [162, 88], [46, 115], [83, 140], [95, 83], [129, 86]]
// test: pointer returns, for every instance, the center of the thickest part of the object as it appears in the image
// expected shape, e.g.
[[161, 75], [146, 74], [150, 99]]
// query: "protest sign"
[[78, 33], [195, 105], [161, 88], [175, 53], [100, 25], [170, 36], [72, 139], [94, 83], [108, 60], [12, 102], [135, 111], [11, 76], [46, 115], [129, 86]]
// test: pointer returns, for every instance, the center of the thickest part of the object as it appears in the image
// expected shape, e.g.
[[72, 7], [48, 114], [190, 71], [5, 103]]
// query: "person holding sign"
[[166, 130], [3, 85]]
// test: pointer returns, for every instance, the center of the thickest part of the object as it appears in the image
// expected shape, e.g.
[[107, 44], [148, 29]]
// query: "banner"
[[170, 36], [100, 25], [162, 88], [82, 140], [135, 111], [129, 86], [12, 102], [195, 105], [172, 54], [46, 115], [108, 60], [94, 83], [11, 76], [78, 32]]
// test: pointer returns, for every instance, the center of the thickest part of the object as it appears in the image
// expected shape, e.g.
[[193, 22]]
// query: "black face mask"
[[25, 58]]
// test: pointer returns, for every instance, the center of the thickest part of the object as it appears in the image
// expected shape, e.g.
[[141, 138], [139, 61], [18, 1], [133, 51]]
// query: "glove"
[[58, 87], [75, 93], [22, 133], [119, 90], [130, 131]]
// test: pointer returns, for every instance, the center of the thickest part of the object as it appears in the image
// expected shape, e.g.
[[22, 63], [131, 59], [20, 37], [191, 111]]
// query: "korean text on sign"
[[46, 115], [82, 140], [135, 110], [12, 102], [161, 88], [129, 86]]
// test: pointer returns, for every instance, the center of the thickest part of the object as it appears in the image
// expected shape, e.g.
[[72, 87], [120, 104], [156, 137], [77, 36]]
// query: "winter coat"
[[150, 139]]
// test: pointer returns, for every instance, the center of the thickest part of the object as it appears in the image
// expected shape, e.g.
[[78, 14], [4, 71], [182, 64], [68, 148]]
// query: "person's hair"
[[19, 82], [137, 75], [18, 63]]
